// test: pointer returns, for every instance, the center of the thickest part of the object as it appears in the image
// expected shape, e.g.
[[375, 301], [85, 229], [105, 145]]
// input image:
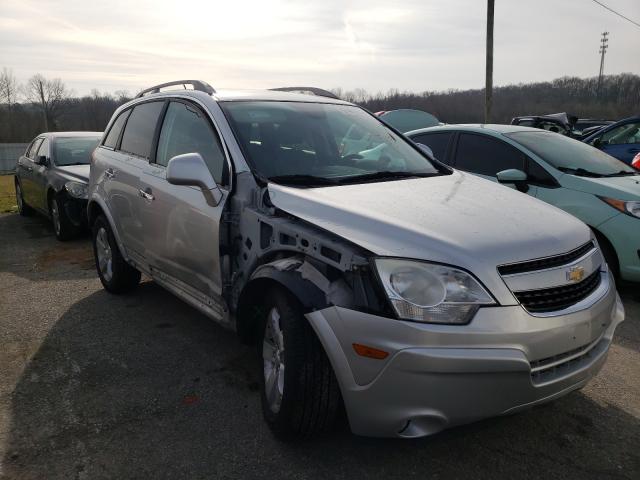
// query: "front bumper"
[[438, 376]]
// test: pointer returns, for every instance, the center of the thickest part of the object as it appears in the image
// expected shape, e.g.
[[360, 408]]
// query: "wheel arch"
[[285, 273], [95, 208], [604, 241]]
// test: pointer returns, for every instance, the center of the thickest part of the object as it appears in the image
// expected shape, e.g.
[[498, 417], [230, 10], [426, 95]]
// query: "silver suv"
[[367, 274]]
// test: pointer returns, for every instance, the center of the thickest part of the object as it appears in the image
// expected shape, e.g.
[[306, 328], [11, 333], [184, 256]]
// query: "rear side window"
[[437, 142], [114, 133], [31, 153], [186, 130], [486, 156], [138, 133]]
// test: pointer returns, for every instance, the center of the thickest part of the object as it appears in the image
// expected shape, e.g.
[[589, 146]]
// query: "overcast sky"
[[411, 45]]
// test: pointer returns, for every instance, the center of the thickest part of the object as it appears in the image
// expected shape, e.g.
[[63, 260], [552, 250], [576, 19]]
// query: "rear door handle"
[[109, 173], [146, 194]]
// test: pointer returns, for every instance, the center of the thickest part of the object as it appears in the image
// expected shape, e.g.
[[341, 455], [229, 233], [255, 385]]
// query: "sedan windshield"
[[322, 144], [73, 150], [571, 156]]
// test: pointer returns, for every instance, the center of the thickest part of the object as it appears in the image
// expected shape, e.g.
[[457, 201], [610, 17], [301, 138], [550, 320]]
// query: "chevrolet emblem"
[[575, 274]]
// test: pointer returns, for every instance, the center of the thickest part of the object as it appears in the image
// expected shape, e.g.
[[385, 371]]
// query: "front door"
[[181, 230]]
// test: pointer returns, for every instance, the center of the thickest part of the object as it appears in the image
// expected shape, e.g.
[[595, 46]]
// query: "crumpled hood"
[[620, 188], [457, 219], [80, 172]]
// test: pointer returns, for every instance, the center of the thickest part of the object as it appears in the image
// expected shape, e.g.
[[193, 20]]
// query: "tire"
[[23, 209], [62, 226], [300, 393], [609, 254], [116, 275]]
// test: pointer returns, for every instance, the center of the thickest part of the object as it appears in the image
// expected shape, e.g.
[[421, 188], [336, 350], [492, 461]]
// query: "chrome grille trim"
[[552, 291], [545, 263]]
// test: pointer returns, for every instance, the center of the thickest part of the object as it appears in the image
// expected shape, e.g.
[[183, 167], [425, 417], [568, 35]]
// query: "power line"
[[619, 14]]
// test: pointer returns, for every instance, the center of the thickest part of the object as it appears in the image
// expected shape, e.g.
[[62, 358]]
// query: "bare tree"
[[9, 90], [51, 95]]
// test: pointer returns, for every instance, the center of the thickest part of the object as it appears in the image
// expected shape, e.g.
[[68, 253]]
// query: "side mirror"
[[426, 150], [515, 177], [597, 142], [189, 169], [41, 160]]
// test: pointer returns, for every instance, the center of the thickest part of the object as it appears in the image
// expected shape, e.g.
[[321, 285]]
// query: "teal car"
[[600, 190]]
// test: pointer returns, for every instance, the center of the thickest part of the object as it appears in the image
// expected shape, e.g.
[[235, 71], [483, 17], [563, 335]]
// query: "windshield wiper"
[[581, 172], [384, 175], [306, 180], [622, 173]]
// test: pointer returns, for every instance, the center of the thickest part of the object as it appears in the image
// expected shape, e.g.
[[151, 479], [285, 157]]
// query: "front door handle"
[[29, 169], [146, 194]]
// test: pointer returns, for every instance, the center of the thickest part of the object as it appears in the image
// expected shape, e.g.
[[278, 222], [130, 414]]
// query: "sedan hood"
[[458, 219], [80, 172], [620, 188]]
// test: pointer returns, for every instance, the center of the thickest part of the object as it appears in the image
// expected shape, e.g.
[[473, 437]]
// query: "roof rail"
[[313, 90], [198, 85]]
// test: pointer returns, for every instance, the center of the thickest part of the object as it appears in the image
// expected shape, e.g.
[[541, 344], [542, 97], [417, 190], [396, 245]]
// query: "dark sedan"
[[52, 177]]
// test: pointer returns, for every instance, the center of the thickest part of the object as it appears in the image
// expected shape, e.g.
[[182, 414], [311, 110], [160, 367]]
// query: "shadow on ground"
[[142, 386], [36, 255]]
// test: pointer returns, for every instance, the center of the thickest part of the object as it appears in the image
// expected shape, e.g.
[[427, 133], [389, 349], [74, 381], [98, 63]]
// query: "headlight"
[[76, 189], [630, 208], [431, 293]]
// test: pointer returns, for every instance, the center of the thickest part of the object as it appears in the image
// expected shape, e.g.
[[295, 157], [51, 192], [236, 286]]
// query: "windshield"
[[73, 150], [321, 144], [571, 156]]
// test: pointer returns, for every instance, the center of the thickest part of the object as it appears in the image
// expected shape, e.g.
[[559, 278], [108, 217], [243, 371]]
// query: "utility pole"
[[488, 89], [603, 49]]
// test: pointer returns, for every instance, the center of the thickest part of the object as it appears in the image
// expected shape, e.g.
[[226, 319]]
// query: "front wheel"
[[300, 393], [116, 275], [62, 225]]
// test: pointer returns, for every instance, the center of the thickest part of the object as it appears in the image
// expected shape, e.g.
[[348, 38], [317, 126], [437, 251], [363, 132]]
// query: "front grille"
[[558, 298], [565, 363], [547, 262]]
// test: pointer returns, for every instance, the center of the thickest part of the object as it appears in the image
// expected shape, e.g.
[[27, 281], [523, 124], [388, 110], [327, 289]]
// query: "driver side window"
[[186, 130], [624, 134]]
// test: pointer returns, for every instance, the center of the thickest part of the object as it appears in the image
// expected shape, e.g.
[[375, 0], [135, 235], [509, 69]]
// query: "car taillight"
[[635, 163]]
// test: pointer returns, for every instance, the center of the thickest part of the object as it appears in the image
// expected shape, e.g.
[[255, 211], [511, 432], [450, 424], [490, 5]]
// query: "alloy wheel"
[[19, 197], [273, 360], [55, 215], [105, 256]]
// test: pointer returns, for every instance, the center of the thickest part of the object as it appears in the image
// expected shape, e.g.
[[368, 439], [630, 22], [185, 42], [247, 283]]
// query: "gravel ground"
[[142, 386]]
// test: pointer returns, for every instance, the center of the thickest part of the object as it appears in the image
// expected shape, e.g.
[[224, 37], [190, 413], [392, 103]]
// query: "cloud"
[[374, 44]]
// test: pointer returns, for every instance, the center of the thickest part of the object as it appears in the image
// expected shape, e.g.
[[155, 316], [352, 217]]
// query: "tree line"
[[43, 104], [618, 97], [47, 105]]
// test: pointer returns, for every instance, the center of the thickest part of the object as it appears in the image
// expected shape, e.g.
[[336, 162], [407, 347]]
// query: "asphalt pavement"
[[143, 386]]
